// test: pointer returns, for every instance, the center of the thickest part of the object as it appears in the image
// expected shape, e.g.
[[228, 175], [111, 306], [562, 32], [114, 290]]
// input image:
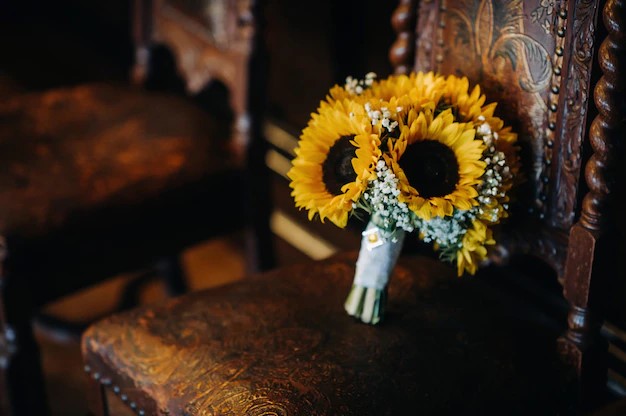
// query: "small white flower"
[[383, 201], [357, 86], [484, 129]]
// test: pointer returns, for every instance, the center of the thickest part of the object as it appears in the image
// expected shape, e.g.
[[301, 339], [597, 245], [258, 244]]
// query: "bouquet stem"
[[378, 255]]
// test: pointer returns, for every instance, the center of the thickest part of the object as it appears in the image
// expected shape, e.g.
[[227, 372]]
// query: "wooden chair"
[[522, 337], [100, 179]]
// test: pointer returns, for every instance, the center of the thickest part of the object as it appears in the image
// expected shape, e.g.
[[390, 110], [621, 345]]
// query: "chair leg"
[[130, 296], [5, 354], [21, 372], [260, 250], [173, 273], [169, 268], [96, 398], [142, 30]]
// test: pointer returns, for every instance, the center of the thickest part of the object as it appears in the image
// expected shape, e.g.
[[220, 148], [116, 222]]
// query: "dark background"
[[55, 43]]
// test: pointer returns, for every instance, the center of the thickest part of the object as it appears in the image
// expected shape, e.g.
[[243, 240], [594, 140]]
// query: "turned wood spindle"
[[402, 52], [582, 342], [605, 131]]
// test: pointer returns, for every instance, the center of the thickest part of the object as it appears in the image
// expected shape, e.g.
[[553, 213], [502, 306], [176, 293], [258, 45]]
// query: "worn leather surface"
[[281, 344], [70, 150]]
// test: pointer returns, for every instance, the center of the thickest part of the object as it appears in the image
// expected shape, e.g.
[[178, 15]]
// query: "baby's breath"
[[356, 86], [381, 202], [497, 174], [384, 116]]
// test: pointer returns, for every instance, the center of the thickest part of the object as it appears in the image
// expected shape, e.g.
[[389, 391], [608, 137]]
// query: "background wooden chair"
[[104, 178], [528, 335]]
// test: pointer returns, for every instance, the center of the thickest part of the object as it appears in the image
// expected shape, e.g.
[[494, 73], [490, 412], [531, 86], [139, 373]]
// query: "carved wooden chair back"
[[537, 60], [210, 40], [217, 41]]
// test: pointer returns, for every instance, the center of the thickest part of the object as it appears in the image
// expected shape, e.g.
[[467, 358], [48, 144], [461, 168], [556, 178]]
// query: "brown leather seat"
[[102, 168], [281, 343], [70, 150]]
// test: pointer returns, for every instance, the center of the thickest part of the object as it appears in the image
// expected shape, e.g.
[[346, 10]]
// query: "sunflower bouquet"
[[415, 153]]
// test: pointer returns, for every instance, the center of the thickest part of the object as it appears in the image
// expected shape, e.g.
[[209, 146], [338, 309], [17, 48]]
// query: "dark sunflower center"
[[445, 104], [431, 168], [337, 168]]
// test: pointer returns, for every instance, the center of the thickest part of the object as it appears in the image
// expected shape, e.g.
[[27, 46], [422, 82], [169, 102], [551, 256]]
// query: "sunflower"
[[471, 108], [474, 250], [335, 158], [437, 162], [416, 89], [339, 93]]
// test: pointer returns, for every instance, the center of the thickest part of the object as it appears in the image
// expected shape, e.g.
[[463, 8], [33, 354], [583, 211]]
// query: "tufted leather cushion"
[[281, 344]]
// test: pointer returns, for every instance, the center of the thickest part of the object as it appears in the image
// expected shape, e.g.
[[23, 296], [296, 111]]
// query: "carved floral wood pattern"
[[573, 102], [527, 57], [493, 44]]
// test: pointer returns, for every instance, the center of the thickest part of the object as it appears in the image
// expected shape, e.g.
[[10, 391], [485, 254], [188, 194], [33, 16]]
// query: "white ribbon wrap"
[[377, 257]]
